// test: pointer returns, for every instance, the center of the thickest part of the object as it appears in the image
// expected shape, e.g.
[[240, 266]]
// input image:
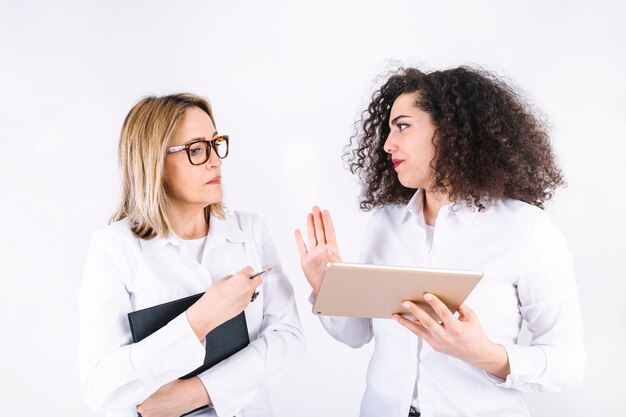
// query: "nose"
[[214, 161], [390, 144]]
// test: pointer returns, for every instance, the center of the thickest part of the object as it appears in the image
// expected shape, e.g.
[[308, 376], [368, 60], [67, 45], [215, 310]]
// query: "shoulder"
[[384, 223], [250, 224], [391, 213], [114, 235], [533, 228], [113, 248], [242, 217], [513, 214], [244, 220]]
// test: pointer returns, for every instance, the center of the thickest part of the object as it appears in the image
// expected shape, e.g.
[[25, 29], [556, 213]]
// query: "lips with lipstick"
[[396, 162], [216, 180]]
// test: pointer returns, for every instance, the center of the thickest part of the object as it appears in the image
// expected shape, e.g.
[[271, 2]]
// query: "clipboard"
[[222, 342]]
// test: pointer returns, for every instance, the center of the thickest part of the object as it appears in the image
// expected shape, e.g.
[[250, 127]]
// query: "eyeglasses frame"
[[211, 143]]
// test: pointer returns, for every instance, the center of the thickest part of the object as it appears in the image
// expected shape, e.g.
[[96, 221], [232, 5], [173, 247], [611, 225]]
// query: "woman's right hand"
[[322, 246], [222, 301]]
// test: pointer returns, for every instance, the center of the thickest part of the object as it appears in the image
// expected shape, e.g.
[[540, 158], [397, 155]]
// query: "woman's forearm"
[[198, 395], [175, 398], [495, 360]]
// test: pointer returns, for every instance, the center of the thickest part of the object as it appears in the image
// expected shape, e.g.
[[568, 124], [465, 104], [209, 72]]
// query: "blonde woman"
[[171, 237]]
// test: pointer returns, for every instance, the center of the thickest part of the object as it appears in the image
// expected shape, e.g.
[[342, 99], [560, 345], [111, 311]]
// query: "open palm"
[[322, 247]]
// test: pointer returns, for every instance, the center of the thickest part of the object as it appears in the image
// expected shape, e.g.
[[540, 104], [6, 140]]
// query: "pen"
[[261, 272]]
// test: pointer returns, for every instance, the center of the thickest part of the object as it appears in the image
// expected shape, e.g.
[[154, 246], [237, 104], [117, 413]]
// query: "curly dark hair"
[[489, 143]]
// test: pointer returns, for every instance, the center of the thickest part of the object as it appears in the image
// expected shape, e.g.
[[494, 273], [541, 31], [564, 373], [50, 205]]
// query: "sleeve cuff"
[[525, 362], [232, 383], [169, 353]]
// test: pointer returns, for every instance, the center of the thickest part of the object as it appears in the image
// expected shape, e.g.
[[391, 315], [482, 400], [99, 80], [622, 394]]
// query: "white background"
[[287, 80]]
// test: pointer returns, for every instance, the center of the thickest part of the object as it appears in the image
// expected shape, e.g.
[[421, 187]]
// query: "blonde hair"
[[146, 134]]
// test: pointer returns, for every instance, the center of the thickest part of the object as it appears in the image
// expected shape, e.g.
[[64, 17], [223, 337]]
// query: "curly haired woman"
[[458, 167]]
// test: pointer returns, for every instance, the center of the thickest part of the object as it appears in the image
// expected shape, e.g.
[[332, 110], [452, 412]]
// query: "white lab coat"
[[124, 274]]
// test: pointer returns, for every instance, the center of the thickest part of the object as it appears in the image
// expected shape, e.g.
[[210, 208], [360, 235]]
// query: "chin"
[[415, 180], [214, 198], [406, 182], [216, 195]]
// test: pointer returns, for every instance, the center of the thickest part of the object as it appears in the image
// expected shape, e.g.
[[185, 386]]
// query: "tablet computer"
[[377, 291]]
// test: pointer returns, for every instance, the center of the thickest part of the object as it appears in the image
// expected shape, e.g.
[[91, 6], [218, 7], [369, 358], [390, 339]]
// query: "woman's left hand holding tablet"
[[322, 246], [462, 337], [175, 399]]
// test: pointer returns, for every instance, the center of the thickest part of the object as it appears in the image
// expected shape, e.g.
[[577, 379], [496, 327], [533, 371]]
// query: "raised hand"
[[322, 246]]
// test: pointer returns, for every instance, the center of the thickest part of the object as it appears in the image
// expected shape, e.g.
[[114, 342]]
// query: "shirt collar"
[[221, 230], [227, 229], [461, 211], [415, 207]]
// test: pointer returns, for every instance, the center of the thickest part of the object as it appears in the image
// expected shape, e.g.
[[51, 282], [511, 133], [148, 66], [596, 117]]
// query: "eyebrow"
[[201, 138], [395, 119]]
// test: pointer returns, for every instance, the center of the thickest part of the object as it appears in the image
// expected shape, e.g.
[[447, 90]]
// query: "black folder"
[[222, 342]]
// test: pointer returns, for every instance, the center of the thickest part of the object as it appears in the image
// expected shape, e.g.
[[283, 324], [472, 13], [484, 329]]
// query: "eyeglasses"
[[200, 151]]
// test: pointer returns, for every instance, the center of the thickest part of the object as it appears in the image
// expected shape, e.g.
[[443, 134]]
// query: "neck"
[[188, 222], [432, 203]]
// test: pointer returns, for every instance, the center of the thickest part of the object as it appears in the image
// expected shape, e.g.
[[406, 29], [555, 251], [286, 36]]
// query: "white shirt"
[[430, 233], [528, 274], [124, 273], [195, 247]]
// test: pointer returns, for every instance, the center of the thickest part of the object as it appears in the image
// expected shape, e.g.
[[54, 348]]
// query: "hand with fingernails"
[[224, 300], [322, 246], [462, 337]]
